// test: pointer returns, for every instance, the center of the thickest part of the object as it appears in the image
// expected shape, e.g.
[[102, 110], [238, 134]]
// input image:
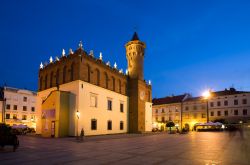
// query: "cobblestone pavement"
[[195, 148]]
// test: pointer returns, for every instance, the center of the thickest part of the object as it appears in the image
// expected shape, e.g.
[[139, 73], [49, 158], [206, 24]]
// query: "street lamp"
[[78, 116], [206, 94]]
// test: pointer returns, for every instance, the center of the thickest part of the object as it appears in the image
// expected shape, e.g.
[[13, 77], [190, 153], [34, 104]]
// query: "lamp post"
[[206, 94], [78, 116]]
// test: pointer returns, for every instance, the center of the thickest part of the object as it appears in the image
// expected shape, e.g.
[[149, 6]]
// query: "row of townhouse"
[[185, 111]]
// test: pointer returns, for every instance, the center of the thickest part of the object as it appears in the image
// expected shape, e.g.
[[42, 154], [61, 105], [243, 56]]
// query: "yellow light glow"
[[206, 94]]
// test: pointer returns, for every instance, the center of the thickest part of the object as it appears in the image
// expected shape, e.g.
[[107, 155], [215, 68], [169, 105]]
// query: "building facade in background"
[[18, 106], [230, 106], [168, 109], [78, 91]]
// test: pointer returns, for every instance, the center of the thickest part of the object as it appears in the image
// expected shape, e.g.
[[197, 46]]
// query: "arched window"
[[106, 80], [113, 81], [41, 83], [46, 79], [57, 77], [64, 74], [72, 72], [119, 86], [97, 77], [88, 67], [51, 79]]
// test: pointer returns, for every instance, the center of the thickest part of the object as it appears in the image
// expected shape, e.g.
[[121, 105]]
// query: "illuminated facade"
[[108, 100], [229, 105], [168, 109], [18, 106]]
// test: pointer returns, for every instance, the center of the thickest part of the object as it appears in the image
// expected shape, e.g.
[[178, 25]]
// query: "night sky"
[[191, 45]]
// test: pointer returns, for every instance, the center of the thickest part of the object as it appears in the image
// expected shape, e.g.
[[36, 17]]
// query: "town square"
[[125, 82]]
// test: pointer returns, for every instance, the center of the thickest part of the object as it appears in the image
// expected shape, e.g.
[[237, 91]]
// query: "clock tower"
[[139, 92]]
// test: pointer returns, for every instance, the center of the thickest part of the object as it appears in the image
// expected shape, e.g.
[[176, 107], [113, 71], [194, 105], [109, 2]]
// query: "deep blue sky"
[[191, 45]]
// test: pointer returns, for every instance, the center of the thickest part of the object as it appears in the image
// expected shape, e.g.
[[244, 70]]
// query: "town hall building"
[[79, 91]]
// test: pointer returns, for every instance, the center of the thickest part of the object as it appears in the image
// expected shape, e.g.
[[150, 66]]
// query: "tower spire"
[[135, 37]]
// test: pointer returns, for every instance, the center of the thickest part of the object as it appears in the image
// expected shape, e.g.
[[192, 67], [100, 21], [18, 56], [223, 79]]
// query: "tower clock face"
[[142, 95]]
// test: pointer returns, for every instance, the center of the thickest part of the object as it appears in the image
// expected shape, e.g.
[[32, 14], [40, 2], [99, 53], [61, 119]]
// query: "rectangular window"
[[8, 106], [25, 99], [93, 124], [24, 117], [163, 119], [93, 100], [156, 118], [203, 107], [121, 107], [15, 107], [195, 107], [186, 108], [226, 113], [156, 111], [218, 103], [162, 111], [110, 105], [218, 113], [121, 125], [24, 108], [109, 125], [14, 116], [203, 115], [236, 112], [211, 113], [235, 102], [244, 112], [244, 101], [33, 109], [195, 116], [225, 103], [211, 104], [7, 116]]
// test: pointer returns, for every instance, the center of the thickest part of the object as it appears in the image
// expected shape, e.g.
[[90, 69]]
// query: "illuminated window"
[[14, 116], [24, 117]]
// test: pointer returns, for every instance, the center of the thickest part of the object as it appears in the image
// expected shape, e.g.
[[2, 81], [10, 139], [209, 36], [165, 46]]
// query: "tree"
[[170, 124]]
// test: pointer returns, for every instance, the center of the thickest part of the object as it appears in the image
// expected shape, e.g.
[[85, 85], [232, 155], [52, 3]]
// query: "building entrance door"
[[53, 129]]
